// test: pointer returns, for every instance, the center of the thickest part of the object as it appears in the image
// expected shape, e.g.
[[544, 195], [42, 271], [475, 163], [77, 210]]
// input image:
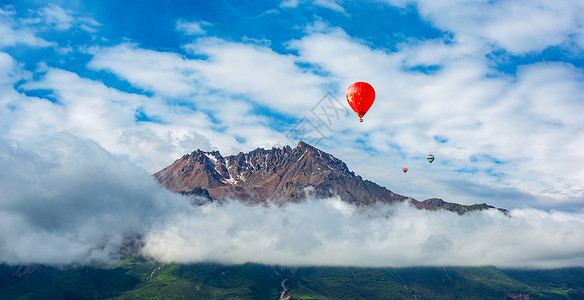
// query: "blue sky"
[[492, 88]]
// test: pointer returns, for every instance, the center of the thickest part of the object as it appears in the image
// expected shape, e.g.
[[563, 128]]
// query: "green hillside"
[[137, 278]]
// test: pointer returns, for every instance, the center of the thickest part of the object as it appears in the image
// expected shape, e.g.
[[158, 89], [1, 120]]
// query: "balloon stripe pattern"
[[430, 158]]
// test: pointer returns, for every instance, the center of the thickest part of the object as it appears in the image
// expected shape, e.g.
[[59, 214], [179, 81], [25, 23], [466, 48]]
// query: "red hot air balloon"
[[360, 96], [405, 170]]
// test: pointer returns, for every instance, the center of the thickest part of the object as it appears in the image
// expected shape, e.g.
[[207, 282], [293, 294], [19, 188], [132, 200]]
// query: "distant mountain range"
[[282, 175]]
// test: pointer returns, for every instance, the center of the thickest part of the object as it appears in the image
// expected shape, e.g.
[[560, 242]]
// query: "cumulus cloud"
[[331, 232], [144, 128], [231, 69], [517, 26], [163, 72], [68, 200]]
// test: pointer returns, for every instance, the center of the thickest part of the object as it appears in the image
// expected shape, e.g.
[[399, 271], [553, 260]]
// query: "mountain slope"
[[279, 175], [138, 278], [460, 209]]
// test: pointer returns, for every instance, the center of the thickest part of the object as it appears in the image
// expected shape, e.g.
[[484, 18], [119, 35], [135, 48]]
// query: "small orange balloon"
[[405, 170]]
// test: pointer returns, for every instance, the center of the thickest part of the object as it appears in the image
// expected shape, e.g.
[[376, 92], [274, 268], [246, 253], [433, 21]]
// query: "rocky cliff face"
[[460, 209], [279, 175]]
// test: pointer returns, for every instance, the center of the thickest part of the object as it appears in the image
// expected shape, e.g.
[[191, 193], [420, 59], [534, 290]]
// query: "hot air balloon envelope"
[[360, 96], [430, 158], [405, 169]]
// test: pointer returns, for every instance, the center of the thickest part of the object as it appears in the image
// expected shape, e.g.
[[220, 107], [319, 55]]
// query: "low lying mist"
[[332, 232]]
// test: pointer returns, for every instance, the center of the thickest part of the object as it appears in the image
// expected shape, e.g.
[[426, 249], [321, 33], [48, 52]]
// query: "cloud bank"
[[70, 201], [80, 203], [331, 232]]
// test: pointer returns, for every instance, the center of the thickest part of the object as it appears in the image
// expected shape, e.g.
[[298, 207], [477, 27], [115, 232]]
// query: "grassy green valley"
[[137, 278]]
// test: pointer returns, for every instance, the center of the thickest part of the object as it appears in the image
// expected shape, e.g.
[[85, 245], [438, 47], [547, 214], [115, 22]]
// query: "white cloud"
[[13, 33], [330, 4], [192, 28], [330, 233], [163, 72], [266, 77], [231, 69], [58, 18], [10, 73], [84, 107], [517, 26], [70, 201], [24, 31], [289, 3], [90, 109]]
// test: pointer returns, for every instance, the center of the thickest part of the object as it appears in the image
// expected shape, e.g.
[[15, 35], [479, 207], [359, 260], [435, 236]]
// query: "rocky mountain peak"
[[279, 174], [282, 175], [434, 202]]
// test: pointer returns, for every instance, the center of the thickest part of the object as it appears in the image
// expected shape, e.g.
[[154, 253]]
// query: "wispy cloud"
[[54, 17], [330, 4], [334, 5], [289, 3], [14, 33], [192, 28]]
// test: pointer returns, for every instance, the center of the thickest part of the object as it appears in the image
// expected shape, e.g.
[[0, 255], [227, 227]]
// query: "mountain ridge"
[[281, 175]]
